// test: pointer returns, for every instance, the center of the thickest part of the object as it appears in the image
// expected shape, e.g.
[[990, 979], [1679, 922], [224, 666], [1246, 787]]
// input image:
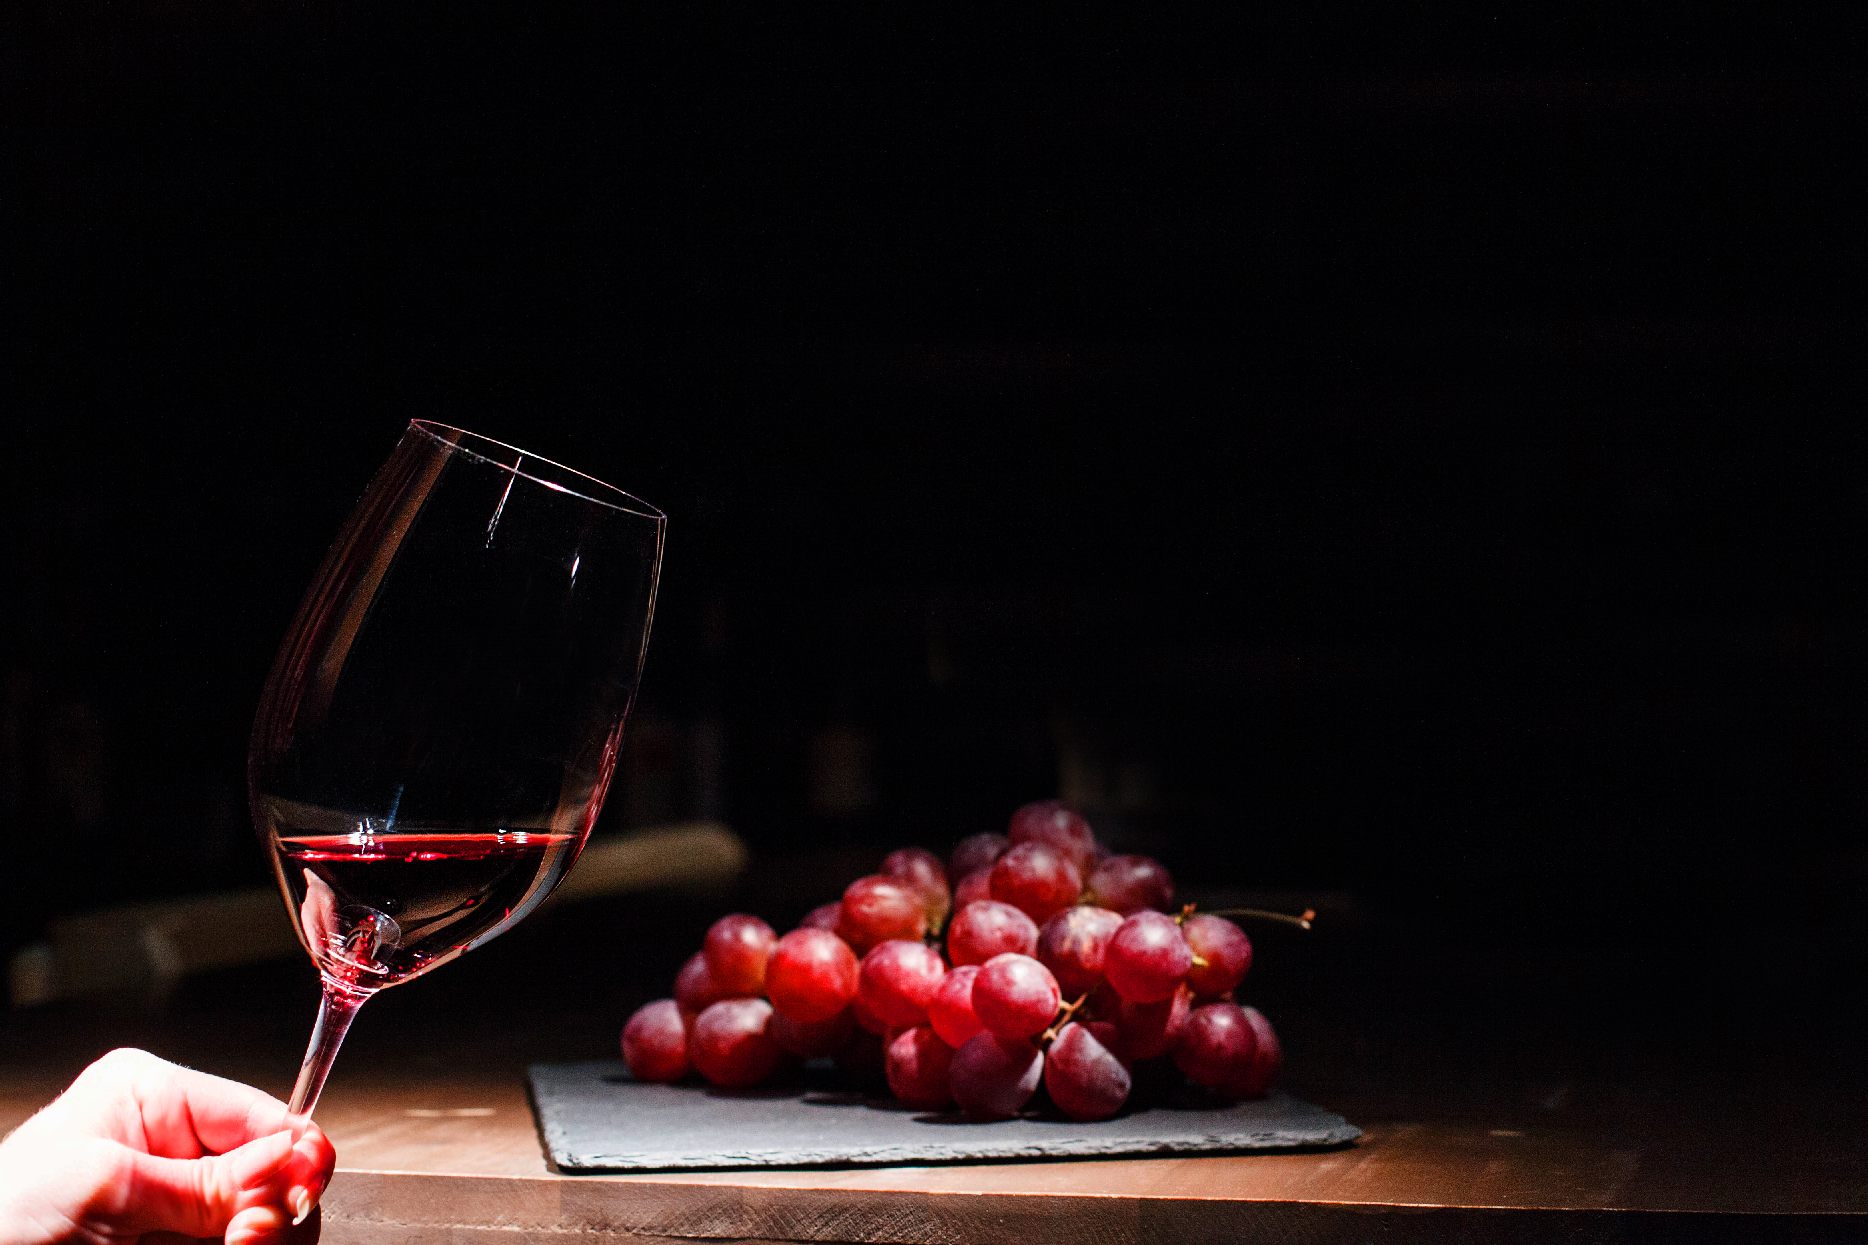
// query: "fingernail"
[[259, 1160], [256, 1224], [300, 1200]]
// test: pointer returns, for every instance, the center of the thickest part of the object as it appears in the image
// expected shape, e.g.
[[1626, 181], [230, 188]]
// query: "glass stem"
[[336, 1010]]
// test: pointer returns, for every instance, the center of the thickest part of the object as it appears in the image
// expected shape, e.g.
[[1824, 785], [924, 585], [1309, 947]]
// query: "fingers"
[[307, 1172], [254, 1164], [267, 1225], [151, 1104], [201, 1197], [257, 1225], [170, 1153], [188, 1113]]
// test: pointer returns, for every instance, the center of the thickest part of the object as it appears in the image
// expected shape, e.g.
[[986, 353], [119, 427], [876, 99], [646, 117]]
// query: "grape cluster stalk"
[[1032, 959]]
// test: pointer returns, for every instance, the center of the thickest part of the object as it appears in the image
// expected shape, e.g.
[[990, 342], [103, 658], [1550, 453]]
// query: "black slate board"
[[595, 1118]]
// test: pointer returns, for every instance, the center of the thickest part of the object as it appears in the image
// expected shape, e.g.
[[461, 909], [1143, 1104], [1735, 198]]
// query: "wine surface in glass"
[[378, 909]]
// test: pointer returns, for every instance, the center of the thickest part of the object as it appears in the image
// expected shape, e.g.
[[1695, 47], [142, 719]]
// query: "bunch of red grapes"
[[1061, 966]]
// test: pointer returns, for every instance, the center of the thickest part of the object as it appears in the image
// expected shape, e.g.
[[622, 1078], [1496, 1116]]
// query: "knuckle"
[[125, 1061], [128, 1056], [210, 1185]]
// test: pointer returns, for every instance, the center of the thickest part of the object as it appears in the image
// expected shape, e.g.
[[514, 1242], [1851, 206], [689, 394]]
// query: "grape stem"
[[1064, 1014], [1302, 922]]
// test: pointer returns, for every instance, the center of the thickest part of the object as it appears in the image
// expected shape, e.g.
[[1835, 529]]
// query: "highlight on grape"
[[1029, 959]]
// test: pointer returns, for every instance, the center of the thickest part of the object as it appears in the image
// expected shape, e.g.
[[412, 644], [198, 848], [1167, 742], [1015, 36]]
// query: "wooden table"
[[1520, 1132], [461, 1162]]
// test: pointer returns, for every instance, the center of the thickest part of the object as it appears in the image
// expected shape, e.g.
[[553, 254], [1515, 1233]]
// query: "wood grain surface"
[[461, 1161]]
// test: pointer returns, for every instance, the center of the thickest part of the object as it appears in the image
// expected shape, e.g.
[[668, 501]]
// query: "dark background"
[[1412, 451]]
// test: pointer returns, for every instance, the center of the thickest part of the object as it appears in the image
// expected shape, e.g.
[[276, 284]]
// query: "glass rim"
[[462, 442]]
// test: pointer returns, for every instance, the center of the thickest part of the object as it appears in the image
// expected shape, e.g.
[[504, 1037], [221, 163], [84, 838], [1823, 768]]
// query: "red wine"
[[376, 909]]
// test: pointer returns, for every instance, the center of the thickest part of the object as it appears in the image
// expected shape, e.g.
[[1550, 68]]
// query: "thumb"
[[197, 1197]]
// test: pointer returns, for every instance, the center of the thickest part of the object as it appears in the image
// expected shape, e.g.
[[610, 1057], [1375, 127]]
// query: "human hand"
[[138, 1145]]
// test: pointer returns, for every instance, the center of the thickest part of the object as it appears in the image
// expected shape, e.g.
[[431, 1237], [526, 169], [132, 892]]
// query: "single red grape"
[[1147, 957], [916, 866], [1084, 1077], [1224, 947], [1072, 944], [811, 976], [1218, 1047], [818, 1040], [1037, 879], [1145, 1030], [993, 1080], [876, 909], [733, 1045], [976, 852], [920, 870], [1267, 1059], [655, 1042], [917, 1063], [1015, 997], [950, 1011], [823, 916], [695, 988], [1131, 883], [973, 887], [988, 928], [1056, 823], [737, 948], [898, 978]]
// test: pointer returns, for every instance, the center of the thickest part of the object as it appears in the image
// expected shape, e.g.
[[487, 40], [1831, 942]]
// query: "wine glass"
[[442, 721]]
